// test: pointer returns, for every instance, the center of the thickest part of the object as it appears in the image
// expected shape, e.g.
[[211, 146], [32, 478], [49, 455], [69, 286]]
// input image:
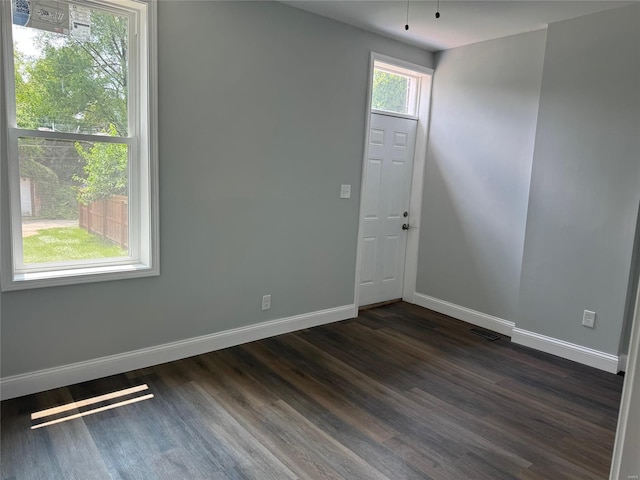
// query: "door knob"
[[405, 226]]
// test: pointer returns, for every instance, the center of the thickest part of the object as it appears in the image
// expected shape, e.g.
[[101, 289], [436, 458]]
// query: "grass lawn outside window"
[[67, 243]]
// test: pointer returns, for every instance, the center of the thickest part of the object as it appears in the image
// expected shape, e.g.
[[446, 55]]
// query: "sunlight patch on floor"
[[89, 401]]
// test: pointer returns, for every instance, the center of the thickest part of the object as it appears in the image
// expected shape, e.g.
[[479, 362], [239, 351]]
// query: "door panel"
[[372, 188], [385, 197], [392, 249], [397, 205], [367, 273]]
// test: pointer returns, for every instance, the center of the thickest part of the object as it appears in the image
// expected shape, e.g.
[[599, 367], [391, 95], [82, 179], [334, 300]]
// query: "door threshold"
[[379, 304]]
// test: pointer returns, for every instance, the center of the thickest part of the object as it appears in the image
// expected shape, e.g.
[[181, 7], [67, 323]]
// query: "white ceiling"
[[461, 22]]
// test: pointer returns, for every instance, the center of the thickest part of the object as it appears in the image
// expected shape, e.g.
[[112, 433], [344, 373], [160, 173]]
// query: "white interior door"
[[385, 199]]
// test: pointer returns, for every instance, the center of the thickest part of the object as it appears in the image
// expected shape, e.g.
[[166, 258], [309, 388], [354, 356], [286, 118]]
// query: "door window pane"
[[394, 89], [390, 92]]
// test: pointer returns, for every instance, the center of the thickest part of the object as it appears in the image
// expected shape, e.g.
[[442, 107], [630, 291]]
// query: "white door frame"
[[624, 462], [415, 203]]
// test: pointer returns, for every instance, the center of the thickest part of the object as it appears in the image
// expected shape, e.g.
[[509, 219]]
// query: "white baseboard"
[[465, 314], [570, 351], [577, 353], [622, 362], [33, 382]]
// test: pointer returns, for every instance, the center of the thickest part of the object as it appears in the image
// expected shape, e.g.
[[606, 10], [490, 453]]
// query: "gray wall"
[[585, 184], [484, 109], [262, 111], [532, 180]]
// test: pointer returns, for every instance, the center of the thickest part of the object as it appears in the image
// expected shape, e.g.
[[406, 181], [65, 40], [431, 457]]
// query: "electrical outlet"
[[266, 302], [345, 191], [589, 319]]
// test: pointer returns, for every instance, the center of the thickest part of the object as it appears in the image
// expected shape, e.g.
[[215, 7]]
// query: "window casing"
[[92, 147]]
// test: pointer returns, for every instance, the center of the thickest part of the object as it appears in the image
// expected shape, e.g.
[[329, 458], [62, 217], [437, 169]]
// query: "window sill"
[[75, 276]]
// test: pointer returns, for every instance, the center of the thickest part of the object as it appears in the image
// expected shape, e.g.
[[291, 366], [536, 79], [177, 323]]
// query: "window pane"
[[390, 92], [73, 200], [71, 68]]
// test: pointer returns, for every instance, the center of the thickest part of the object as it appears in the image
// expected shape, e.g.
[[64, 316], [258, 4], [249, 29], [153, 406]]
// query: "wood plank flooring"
[[398, 393]]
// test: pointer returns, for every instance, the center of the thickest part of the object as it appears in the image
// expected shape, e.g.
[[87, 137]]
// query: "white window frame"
[[143, 163]]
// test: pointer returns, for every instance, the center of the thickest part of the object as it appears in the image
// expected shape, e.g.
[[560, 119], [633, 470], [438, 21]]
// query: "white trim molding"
[[622, 362], [571, 351], [468, 315], [41, 380], [625, 463]]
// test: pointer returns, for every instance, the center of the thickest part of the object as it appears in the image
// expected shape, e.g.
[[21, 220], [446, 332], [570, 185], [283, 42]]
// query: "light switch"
[[589, 319], [345, 191]]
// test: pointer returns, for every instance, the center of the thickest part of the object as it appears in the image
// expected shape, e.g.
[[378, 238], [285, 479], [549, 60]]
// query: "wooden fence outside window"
[[107, 217]]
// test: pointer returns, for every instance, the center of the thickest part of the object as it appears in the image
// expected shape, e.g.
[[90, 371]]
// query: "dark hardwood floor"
[[398, 393]]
